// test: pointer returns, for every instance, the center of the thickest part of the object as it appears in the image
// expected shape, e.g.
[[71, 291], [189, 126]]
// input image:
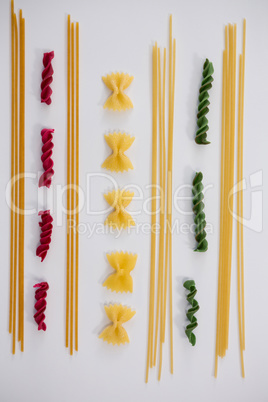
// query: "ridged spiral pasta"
[[123, 264], [47, 78], [46, 177], [46, 232], [41, 304], [119, 200], [117, 83], [190, 285], [202, 121], [200, 217], [119, 143], [116, 333]]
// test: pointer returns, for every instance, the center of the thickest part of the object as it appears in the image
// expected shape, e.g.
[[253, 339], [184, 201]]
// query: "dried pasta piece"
[[116, 333], [119, 200], [117, 83], [200, 218], [121, 280], [203, 107], [47, 78], [119, 143], [190, 286], [46, 232], [41, 304], [47, 150]]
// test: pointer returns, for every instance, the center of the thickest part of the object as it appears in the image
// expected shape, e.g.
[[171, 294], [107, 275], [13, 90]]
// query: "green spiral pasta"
[[198, 207], [190, 285], [202, 121]]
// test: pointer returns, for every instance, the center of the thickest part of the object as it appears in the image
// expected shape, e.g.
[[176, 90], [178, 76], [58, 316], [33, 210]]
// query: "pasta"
[[72, 266], [16, 308], [45, 236], [121, 280], [240, 207], [46, 178], [160, 286], [190, 285], [117, 83], [119, 200], [227, 196], [22, 180], [116, 333], [198, 208], [47, 78], [41, 304], [119, 143], [202, 121]]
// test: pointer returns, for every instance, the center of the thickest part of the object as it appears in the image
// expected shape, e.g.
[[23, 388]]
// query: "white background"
[[118, 36]]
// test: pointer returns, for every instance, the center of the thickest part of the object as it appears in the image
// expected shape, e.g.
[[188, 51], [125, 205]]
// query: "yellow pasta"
[[227, 185], [121, 280], [116, 333], [72, 288], [16, 309], [117, 83], [119, 143], [119, 200]]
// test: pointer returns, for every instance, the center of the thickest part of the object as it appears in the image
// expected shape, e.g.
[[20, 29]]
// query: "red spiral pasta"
[[41, 304], [46, 178], [47, 78], [45, 236]]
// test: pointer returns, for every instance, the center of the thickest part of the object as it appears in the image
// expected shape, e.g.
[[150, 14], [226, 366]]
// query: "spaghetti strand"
[[68, 177], [77, 188]]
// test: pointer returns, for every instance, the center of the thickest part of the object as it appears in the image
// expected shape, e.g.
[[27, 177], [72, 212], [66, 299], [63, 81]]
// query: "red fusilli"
[[45, 236], [41, 304], [47, 78], [46, 178]]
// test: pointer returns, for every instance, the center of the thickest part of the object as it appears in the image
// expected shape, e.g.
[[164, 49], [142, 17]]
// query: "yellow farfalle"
[[117, 83], [119, 200], [115, 333], [119, 143], [121, 280]]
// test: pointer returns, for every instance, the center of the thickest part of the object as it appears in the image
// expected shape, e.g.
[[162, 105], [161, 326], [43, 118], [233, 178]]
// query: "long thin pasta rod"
[[226, 175], [169, 175], [77, 188], [222, 220], [225, 186], [12, 169], [164, 206], [22, 180], [164, 170], [238, 201], [161, 243], [224, 289], [242, 207], [239, 178], [153, 216], [232, 170], [72, 197], [224, 62], [170, 233], [68, 179], [19, 181], [16, 188], [227, 189], [154, 184]]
